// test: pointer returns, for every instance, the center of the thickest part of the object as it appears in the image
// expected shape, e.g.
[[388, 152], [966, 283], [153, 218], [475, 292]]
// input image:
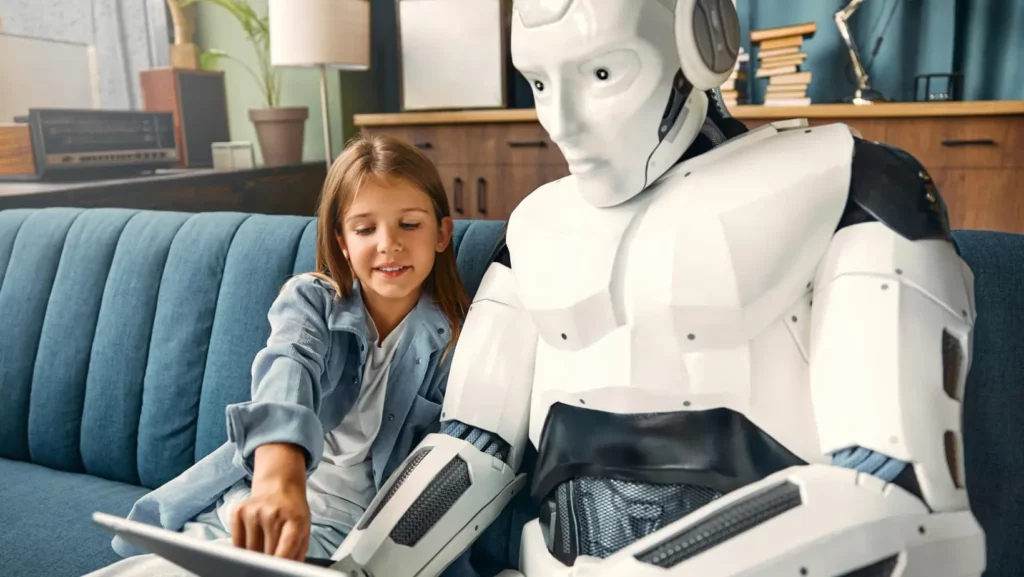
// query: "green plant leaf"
[[208, 60], [257, 29]]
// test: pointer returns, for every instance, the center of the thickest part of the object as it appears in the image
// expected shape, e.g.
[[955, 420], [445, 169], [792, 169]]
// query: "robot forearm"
[[432, 509], [807, 520], [891, 341], [457, 481]]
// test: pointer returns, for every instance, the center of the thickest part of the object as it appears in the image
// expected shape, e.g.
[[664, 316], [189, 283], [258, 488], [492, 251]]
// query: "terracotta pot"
[[280, 132]]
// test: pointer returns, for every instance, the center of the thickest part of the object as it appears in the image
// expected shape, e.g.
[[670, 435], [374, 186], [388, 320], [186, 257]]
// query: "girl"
[[352, 376]]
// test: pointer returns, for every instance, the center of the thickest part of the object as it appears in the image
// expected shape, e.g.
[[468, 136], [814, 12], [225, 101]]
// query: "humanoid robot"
[[734, 356]]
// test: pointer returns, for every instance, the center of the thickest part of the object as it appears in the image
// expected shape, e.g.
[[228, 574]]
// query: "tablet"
[[206, 558]]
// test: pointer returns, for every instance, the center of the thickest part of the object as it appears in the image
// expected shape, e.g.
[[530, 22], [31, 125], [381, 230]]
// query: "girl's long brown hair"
[[387, 158]]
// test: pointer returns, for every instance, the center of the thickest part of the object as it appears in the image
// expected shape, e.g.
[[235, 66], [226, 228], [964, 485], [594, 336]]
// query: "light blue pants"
[[323, 542]]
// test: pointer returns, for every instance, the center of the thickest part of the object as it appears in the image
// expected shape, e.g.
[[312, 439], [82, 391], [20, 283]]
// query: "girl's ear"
[[445, 233], [341, 243]]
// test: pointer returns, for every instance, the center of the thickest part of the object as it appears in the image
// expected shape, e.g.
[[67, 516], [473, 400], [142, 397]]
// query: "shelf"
[[885, 110]]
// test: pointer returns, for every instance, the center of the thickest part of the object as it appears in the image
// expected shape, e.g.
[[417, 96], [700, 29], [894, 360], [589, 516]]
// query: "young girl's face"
[[391, 237]]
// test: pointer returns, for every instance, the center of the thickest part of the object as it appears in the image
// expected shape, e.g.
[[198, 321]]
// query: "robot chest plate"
[[681, 297]]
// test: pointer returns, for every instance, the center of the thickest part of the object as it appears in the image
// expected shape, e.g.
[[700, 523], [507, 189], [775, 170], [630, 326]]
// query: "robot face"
[[602, 74]]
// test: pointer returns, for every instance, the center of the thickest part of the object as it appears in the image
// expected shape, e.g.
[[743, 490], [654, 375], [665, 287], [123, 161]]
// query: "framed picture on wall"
[[452, 53]]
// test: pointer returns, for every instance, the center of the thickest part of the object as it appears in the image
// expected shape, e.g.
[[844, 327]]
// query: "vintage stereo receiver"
[[63, 144]]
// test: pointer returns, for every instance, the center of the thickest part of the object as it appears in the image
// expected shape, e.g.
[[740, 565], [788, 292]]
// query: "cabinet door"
[[964, 142], [520, 180], [474, 191], [454, 177], [488, 192], [982, 198], [442, 144]]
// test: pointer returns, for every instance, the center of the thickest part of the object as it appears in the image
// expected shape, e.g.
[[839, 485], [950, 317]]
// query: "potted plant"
[[280, 130]]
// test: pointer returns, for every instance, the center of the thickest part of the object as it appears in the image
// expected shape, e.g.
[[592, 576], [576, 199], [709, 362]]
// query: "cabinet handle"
[[423, 145], [979, 142], [481, 196], [457, 194], [527, 143]]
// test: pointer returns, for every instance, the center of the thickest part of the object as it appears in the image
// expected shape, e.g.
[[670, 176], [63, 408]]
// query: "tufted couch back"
[[123, 334]]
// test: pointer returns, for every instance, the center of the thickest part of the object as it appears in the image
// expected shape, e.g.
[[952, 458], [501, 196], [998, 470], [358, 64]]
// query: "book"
[[803, 77], [762, 53], [784, 95], [787, 102], [786, 90], [801, 30], [783, 60], [784, 42], [734, 89], [767, 72], [780, 59]]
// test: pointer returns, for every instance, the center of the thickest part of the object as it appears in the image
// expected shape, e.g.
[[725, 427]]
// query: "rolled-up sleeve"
[[286, 378]]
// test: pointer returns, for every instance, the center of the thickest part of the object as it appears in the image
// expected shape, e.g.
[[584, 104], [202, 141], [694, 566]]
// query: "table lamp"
[[320, 34]]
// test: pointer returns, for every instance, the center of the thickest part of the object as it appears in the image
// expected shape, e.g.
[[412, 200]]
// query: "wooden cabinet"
[[486, 168], [491, 160], [973, 150]]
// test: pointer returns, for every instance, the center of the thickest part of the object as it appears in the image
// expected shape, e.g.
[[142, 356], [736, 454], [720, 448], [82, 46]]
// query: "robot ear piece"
[[708, 40]]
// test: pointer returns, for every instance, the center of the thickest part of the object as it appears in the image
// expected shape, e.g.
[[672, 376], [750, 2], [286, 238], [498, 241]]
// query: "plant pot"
[[280, 132]]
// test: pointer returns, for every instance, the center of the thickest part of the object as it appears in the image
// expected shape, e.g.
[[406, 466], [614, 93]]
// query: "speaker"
[[199, 103]]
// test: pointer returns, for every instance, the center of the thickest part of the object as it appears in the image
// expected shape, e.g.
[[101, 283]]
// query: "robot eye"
[[602, 74], [538, 85]]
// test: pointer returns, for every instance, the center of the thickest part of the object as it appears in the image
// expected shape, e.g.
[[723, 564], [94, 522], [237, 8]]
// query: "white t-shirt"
[[342, 487]]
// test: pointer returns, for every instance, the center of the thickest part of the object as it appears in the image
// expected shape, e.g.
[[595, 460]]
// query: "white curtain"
[[129, 36]]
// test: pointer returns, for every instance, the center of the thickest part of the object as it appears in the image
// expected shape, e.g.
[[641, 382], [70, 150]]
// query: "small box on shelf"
[[233, 156]]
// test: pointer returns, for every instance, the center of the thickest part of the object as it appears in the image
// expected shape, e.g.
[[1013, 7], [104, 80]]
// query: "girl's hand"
[[275, 518]]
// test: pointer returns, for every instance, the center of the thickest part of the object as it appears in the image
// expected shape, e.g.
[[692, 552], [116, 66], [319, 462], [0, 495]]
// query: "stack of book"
[[734, 90], [780, 59]]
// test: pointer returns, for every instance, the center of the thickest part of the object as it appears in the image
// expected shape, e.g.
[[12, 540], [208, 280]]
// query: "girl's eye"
[[410, 225], [364, 231]]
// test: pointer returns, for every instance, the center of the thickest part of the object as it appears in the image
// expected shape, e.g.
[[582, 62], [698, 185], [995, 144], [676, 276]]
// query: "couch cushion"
[[994, 397], [127, 332], [47, 520]]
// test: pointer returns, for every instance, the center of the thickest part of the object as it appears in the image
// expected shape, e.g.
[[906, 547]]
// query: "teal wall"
[[217, 28], [919, 39]]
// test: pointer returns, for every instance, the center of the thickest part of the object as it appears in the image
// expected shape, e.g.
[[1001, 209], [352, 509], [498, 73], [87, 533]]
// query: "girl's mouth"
[[392, 271]]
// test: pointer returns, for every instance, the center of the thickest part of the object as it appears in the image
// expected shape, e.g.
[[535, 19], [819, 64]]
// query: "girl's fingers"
[[300, 553], [291, 539], [271, 534], [238, 528], [253, 531]]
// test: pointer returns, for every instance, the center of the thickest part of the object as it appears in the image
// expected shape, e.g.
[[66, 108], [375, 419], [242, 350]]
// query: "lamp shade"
[[334, 33]]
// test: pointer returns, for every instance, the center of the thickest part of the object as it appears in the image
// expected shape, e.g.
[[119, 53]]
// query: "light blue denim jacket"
[[303, 383]]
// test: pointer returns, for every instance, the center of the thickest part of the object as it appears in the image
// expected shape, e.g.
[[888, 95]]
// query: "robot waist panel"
[[598, 517], [719, 449]]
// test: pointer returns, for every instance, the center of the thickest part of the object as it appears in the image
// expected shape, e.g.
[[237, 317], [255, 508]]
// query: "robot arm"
[[457, 481], [891, 325], [891, 333]]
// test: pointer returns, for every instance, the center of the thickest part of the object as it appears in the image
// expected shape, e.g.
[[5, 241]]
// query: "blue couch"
[[123, 334]]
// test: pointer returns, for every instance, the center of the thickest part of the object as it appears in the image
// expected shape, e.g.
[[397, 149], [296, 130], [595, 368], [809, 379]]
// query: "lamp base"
[[865, 97]]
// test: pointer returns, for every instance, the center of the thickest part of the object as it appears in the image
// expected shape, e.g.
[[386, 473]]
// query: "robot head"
[[619, 84]]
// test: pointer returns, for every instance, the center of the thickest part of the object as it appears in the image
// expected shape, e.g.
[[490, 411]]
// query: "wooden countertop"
[[267, 190], [886, 110]]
